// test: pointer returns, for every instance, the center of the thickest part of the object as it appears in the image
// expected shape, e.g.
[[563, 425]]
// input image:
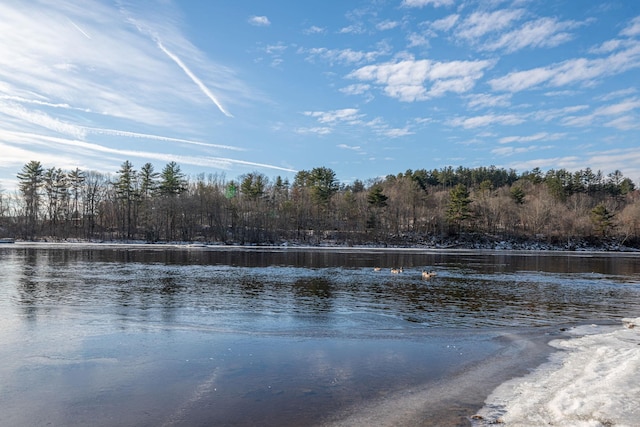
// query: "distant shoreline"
[[510, 247]]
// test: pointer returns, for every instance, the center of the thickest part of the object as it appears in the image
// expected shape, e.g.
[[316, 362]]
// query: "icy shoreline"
[[450, 245], [453, 400], [592, 379]]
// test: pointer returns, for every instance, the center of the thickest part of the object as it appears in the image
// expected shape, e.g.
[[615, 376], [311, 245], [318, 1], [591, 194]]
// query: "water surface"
[[227, 336]]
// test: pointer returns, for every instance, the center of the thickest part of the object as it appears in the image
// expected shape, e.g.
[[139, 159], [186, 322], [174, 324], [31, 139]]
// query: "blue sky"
[[367, 88]]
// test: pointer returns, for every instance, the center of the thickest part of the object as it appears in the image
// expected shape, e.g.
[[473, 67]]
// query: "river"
[[151, 335]]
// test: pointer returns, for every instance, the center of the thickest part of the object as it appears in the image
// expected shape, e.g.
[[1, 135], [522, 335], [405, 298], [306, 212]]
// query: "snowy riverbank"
[[592, 380]]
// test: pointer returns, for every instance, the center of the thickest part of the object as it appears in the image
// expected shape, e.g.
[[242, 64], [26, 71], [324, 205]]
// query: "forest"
[[438, 208]]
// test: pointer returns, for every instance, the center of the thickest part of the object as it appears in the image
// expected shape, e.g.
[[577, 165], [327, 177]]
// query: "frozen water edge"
[[592, 380], [450, 402]]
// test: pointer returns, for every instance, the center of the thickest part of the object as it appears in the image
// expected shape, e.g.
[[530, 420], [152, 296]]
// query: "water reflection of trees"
[[313, 294], [40, 284], [487, 288]]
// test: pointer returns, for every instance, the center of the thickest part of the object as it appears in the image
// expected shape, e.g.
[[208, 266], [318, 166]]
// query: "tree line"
[[412, 207]]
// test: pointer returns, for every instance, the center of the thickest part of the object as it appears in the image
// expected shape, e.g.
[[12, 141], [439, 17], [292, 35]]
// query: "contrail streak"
[[193, 77], [80, 29], [115, 132]]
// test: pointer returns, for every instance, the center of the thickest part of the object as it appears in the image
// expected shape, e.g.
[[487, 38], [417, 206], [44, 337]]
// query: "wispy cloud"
[[314, 29], [510, 151], [92, 149], [543, 32], [486, 120], [344, 115], [42, 119], [481, 23], [350, 147], [109, 76], [627, 119], [446, 23], [13, 157], [107, 72], [21, 100], [416, 40], [351, 119], [317, 130], [356, 89], [343, 56], [579, 70], [387, 25], [540, 136], [550, 114], [483, 100], [633, 29], [626, 160], [396, 132]]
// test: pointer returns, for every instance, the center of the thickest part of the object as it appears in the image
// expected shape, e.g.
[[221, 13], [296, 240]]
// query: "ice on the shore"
[[593, 380]]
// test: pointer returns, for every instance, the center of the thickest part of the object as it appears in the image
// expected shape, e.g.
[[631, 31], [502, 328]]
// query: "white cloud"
[[422, 3], [259, 21], [356, 89], [416, 40], [407, 79], [396, 132], [315, 30]]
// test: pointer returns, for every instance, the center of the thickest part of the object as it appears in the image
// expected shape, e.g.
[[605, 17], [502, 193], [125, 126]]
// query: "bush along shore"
[[480, 208]]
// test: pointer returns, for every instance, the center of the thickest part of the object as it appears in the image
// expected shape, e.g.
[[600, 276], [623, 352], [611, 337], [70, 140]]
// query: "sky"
[[367, 88]]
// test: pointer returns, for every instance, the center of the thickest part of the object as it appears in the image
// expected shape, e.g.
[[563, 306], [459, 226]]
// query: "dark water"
[[219, 336]]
